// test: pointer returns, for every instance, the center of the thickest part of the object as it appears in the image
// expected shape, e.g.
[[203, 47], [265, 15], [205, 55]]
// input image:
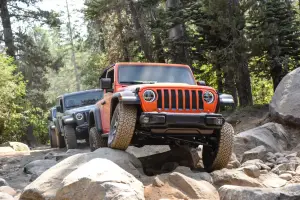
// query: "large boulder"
[[17, 146], [46, 185], [179, 186], [100, 179], [285, 104], [5, 196], [230, 192], [272, 136], [38, 167], [233, 177], [6, 150]]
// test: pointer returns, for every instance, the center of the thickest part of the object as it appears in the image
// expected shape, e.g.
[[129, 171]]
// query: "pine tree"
[[274, 34]]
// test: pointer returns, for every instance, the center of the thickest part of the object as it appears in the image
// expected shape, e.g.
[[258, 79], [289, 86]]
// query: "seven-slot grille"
[[177, 99]]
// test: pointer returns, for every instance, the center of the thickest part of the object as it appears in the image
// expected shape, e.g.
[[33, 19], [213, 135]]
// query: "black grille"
[[192, 98]]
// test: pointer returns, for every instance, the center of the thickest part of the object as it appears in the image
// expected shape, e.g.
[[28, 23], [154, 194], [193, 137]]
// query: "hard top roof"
[[140, 63], [79, 92]]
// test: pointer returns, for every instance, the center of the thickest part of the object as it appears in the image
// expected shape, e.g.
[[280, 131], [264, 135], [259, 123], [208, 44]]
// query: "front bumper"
[[82, 129], [155, 120]]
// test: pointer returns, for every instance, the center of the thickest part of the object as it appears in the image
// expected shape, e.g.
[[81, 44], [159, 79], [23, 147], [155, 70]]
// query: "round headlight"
[[149, 96], [208, 97], [79, 116]]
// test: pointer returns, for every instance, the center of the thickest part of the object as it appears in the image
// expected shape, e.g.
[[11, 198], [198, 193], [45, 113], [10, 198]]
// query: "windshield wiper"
[[138, 82]]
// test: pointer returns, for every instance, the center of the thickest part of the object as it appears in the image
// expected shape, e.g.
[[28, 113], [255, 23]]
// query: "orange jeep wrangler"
[[160, 104]]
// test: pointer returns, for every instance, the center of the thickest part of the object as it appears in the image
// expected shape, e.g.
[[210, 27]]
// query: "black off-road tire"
[[95, 139], [121, 133], [70, 137], [60, 139], [218, 157], [53, 139]]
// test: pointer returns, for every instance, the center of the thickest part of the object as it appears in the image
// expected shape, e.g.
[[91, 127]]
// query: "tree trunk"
[[219, 78], [7, 31], [243, 84], [277, 73], [229, 85], [126, 56], [159, 49], [31, 140], [140, 31]]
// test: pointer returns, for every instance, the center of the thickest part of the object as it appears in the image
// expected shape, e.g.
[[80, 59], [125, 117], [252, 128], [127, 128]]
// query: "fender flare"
[[126, 97], [95, 119]]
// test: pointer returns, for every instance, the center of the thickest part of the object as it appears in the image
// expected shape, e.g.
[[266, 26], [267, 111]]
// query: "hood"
[[80, 109], [166, 85]]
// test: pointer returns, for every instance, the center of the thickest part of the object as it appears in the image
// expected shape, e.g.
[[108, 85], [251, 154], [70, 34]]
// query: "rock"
[[100, 179], [6, 149], [3, 182], [295, 160], [282, 160], [230, 192], [256, 162], [147, 150], [255, 153], [8, 190], [293, 173], [233, 177], [4, 196], [278, 155], [194, 189], [286, 176], [263, 171], [297, 171], [285, 106], [195, 175], [284, 167], [46, 185], [18, 146], [271, 165], [157, 182], [292, 155], [270, 156], [252, 170], [39, 166], [272, 180], [272, 136], [233, 163]]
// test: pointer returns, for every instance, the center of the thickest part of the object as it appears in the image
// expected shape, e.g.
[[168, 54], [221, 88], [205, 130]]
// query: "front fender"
[[127, 97], [95, 119], [68, 119]]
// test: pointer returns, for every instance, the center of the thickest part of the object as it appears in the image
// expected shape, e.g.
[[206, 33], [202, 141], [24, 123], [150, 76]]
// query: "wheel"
[[70, 137], [60, 139], [95, 139], [122, 126], [218, 156], [53, 139]]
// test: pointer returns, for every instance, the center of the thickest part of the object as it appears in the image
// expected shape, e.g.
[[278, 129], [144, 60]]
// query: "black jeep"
[[72, 116]]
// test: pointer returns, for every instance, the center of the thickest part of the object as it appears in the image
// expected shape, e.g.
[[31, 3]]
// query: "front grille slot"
[[166, 102], [182, 100], [187, 99]]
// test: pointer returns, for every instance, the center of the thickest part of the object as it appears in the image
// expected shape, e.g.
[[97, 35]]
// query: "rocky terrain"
[[265, 164]]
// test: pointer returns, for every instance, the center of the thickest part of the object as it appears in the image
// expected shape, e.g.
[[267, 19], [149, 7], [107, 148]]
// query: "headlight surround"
[[149, 95], [208, 97], [79, 116]]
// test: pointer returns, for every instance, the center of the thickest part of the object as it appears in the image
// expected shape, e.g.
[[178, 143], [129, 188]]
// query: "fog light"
[[219, 121], [146, 120]]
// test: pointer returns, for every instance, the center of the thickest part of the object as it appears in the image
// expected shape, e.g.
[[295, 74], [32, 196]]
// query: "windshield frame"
[[193, 81], [78, 94]]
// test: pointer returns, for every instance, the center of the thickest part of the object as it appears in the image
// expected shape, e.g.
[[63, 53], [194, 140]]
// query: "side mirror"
[[105, 83], [202, 83], [58, 109]]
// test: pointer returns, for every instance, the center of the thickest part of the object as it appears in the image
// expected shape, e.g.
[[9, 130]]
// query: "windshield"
[[155, 74], [83, 99]]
